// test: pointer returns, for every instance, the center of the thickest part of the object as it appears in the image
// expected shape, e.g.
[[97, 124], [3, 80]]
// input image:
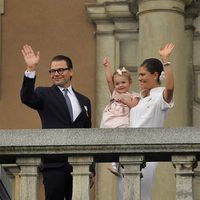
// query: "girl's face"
[[121, 83], [146, 79]]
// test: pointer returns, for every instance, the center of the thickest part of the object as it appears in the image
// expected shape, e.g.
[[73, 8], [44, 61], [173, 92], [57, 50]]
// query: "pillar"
[[190, 14], [196, 183], [28, 177], [80, 175], [116, 38], [184, 165], [132, 175], [12, 171], [161, 22]]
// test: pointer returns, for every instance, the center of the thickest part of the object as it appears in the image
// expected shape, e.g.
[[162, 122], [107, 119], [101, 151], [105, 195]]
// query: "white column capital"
[[184, 164], [80, 175], [145, 6], [28, 177]]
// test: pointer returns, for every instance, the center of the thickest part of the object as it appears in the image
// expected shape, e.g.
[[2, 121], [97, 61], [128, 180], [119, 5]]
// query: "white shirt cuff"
[[29, 74]]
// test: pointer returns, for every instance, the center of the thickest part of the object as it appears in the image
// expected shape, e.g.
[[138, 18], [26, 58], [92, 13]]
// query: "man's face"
[[60, 73]]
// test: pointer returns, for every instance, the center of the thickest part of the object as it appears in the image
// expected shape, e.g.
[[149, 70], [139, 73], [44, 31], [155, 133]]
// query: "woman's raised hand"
[[31, 59], [166, 51]]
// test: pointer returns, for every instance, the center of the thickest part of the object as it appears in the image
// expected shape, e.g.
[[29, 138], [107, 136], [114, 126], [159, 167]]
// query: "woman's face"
[[146, 79]]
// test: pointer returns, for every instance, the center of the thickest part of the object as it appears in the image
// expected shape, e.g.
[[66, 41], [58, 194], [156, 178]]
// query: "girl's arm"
[[109, 74], [165, 52], [130, 102]]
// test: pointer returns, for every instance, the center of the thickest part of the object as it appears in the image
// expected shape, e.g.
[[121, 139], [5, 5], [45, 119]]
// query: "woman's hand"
[[30, 58], [166, 51]]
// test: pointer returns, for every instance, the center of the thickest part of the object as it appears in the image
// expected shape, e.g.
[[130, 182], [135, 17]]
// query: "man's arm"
[[27, 93]]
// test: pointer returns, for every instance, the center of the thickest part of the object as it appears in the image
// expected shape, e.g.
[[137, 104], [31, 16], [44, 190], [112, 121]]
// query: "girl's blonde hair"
[[122, 71]]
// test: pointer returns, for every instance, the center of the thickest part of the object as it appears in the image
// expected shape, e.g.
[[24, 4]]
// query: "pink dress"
[[116, 114]]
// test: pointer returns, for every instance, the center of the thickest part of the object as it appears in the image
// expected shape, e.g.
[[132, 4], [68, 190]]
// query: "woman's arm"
[[109, 74], [165, 53]]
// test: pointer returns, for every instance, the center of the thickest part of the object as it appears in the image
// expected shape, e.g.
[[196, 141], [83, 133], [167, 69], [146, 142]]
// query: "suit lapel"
[[62, 104]]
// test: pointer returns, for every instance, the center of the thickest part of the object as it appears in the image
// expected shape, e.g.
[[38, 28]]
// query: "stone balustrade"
[[132, 147]]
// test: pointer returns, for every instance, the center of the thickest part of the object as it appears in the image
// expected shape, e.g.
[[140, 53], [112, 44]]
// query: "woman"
[[155, 102]]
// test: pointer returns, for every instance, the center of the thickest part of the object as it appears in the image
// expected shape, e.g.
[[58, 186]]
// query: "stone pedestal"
[[184, 176], [132, 175], [80, 176], [28, 177], [12, 171], [196, 183]]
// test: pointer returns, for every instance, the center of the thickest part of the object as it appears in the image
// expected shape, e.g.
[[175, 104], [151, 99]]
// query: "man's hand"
[[31, 59]]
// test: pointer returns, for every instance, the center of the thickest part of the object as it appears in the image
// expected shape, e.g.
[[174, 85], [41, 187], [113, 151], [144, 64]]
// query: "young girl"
[[116, 113]]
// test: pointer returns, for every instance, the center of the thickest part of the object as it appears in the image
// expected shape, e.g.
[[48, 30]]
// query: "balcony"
[[21, 151]]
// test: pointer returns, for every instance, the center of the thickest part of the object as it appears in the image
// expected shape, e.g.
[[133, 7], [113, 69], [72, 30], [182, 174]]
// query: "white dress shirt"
[[76, 108]]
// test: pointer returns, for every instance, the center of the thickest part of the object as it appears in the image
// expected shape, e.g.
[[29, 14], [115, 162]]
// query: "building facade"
[[126, 31]]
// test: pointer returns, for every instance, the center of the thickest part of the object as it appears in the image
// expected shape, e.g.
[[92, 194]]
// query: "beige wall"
[[53, 27]]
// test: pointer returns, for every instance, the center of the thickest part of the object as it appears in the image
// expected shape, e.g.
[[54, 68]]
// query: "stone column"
[[28, 177], [190, 13], [184, 176], [80, 175], [161, 22], [12, 171], [196, 183], [105, 47], [110, 18], [132, 175]]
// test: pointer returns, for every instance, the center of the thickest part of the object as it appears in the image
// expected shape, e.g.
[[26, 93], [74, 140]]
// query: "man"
[[58, 106]]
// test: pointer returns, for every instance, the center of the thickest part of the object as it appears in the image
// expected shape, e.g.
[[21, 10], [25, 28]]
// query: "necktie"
[[69, 104]]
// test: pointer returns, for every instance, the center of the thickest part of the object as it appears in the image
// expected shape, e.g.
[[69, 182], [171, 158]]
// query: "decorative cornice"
[[176, 10], [109, 11]]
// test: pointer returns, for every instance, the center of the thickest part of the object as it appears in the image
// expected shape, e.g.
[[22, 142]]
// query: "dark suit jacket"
[[52, 108]]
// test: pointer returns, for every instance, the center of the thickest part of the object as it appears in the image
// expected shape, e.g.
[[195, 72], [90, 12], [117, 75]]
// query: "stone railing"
[[133, 147]]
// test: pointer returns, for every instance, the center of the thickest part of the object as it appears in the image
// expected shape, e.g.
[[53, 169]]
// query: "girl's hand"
[[166, 51], [106, 62]]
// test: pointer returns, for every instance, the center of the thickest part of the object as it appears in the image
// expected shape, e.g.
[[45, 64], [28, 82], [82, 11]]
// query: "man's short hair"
[[65, 58]]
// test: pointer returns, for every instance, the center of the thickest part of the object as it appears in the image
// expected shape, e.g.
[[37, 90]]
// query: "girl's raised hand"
[[106, 62]]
